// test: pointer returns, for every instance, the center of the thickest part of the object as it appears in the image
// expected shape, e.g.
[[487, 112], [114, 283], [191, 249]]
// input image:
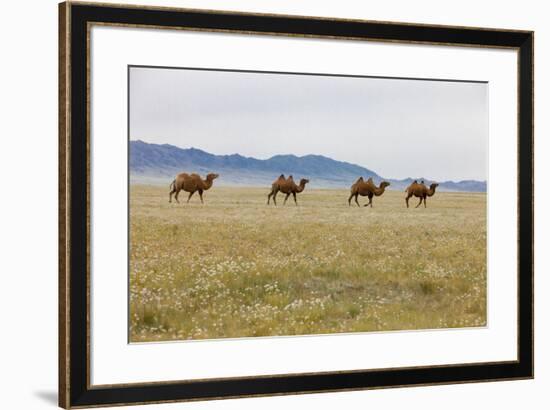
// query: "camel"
[[286, 186], [191, 183], [368, 189], [420, 191]]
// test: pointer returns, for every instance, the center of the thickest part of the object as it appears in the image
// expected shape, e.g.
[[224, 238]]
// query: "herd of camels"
[[192, 183]]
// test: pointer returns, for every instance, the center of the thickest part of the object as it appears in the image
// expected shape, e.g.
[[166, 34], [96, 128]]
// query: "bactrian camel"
[[368, 189], [191, 183], [286, 186], [420, 191]]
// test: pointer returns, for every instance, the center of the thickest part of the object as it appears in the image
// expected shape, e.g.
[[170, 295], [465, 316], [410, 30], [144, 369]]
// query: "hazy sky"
[[397, 128]]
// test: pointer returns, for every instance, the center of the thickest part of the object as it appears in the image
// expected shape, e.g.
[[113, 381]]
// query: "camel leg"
[[294, 195], [349, 199], [424, 202], [200, 194], [407, 200], [190, 195], [286, 197], [170, 195], [356, 201], [419, 203], [269, 196], [369, 203], [176, 197], [274, 198]]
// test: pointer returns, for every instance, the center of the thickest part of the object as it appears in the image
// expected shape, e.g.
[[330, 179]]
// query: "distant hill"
[[158, 163], [450, 186]]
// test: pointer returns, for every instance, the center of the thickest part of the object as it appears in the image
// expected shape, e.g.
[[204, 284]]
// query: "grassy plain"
[[235, 267]]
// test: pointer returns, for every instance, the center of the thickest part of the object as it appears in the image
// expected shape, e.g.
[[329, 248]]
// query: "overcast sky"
[[397, 128]]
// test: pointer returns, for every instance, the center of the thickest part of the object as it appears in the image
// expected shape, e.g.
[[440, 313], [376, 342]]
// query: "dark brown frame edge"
[[74, 386]]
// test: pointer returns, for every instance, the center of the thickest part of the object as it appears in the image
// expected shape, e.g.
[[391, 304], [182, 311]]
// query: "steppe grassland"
[[235, 267]]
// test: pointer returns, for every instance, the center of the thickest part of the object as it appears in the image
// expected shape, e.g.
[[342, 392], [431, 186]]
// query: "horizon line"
[[310, 155]]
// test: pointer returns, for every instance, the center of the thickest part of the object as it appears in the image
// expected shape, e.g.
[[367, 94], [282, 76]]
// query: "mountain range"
[[159, 163]]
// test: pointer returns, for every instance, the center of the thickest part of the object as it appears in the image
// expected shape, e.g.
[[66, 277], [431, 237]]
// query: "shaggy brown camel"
[[420, 191], [286, 186], [191, 183], [368, 189], [275, 188]]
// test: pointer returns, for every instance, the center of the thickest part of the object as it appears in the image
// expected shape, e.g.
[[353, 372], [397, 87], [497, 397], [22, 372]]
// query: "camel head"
[[304, 181], [211, 177], [384, 184], [434, 185]]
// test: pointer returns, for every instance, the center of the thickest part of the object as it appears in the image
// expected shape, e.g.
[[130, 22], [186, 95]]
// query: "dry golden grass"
[[236, 267]]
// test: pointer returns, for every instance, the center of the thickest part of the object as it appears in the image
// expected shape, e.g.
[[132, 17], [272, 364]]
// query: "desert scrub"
[[235, 267]]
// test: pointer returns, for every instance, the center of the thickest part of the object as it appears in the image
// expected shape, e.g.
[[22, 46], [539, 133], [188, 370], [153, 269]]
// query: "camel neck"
[[379, 191], [431, 191], [207, 184]]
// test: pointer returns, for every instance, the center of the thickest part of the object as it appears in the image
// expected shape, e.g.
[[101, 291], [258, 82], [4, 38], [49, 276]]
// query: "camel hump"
[[182, 176], [195, 177], [360, 179], [282, 176]]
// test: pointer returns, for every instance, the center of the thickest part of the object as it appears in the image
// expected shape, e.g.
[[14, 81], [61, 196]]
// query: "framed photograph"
[[257, 204]]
